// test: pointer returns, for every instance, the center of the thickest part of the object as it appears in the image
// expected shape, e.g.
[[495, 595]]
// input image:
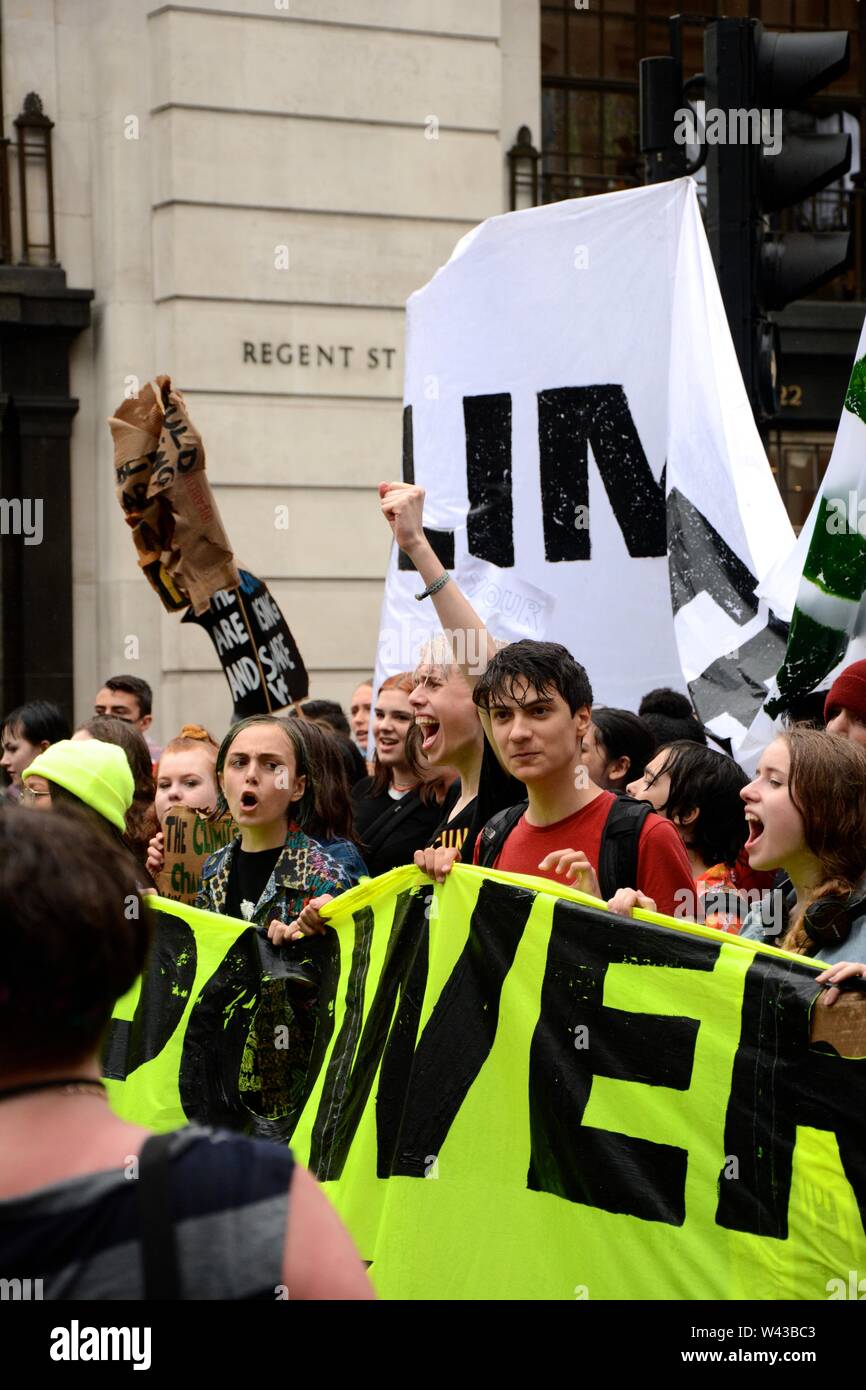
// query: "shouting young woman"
[[395, 810], [806, 812]]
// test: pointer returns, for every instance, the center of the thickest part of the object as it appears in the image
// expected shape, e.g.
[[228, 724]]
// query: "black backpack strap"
[[158, 1245], [381, 829], [496, 832], [620, 841]]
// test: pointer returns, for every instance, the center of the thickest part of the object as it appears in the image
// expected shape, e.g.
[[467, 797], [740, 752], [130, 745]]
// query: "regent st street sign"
[[319, 356]]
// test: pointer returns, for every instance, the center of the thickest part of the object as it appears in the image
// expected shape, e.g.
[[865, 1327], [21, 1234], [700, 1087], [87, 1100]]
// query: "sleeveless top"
[[229, 1208]]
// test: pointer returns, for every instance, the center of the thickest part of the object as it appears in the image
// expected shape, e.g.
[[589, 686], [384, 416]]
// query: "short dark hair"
[[671, 716], [325, 712], [702, 779], [664, 700], [546, 666], [39, 721], [625, 734], [133, 685], [69, 944], [670, 730]]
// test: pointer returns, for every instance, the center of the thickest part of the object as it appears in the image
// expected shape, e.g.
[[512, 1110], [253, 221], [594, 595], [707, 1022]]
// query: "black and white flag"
[[575, 411]]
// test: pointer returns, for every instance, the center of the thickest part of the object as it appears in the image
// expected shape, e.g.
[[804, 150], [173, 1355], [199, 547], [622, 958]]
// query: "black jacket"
[[391, 830]]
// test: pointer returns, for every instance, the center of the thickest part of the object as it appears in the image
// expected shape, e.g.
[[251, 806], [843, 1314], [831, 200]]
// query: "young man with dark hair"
[[126, 697], [538, 700], [535, 703], [131, 699]]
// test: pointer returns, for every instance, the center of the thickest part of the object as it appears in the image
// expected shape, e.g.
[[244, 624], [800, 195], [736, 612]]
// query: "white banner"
[[552, 366]]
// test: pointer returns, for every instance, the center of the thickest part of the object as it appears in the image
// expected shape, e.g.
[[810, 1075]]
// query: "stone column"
[[39, 319]]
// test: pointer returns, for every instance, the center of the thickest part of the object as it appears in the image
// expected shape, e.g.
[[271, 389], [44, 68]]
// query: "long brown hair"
[[827, 785], [141, 821], [331, 817]]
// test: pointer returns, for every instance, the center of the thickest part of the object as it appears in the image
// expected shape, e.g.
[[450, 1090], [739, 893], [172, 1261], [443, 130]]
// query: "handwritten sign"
[[259, 656], [189, 840]]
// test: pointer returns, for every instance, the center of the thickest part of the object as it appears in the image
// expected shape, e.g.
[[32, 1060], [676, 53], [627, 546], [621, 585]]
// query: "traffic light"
[[757, 165], [661, 85]]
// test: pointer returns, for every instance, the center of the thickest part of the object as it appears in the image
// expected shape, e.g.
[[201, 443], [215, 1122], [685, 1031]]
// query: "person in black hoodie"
[[395, 811]]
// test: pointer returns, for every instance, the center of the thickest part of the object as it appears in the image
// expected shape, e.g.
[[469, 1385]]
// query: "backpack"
[[620, 839]]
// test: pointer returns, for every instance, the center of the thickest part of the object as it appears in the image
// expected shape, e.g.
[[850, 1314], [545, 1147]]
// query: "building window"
[[590, 90], [590, 141], [799, 462], [589, 68]]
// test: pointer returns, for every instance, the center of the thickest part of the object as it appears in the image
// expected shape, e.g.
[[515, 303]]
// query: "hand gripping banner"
[[514, 1094]]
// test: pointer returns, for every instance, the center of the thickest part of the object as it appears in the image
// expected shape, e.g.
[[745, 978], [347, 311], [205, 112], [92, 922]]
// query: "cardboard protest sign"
[[189, 839], [259, 655], [159, 464], [516, 1094]]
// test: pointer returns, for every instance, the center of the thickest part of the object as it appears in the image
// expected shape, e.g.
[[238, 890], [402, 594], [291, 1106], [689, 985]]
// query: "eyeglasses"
[[29, 796]]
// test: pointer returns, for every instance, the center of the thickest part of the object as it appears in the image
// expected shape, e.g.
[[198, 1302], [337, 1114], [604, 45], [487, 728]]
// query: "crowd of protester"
[[507, 763]]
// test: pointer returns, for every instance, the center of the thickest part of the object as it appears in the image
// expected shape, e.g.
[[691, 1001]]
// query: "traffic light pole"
[[660, 95], [729, 72], [756, 167]]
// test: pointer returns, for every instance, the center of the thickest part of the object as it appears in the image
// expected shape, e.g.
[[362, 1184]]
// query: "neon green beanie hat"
[[96, 772]]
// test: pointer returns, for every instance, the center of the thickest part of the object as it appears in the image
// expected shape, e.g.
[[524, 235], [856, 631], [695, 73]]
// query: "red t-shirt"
[[663, 866]]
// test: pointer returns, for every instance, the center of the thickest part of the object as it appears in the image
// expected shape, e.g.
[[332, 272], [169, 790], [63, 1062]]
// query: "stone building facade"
[[252, 189]]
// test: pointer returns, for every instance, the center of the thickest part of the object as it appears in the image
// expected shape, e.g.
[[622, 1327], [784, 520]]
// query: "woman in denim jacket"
[[266, 875]]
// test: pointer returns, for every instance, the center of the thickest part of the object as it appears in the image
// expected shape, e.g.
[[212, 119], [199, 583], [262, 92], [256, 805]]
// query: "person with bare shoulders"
[[80, 1189]]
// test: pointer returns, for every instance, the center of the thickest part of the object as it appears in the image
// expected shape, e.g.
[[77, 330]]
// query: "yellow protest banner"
[[516, 1094]]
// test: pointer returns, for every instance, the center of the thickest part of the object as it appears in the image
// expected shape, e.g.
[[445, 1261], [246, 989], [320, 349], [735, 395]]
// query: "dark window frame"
[[557, 180]]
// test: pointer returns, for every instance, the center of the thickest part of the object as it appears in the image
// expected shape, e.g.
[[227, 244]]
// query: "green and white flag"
[[828, 564]]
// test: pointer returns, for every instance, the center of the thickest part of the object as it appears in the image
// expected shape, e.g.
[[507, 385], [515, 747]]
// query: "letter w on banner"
[[511, 1093], [553, 366]]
